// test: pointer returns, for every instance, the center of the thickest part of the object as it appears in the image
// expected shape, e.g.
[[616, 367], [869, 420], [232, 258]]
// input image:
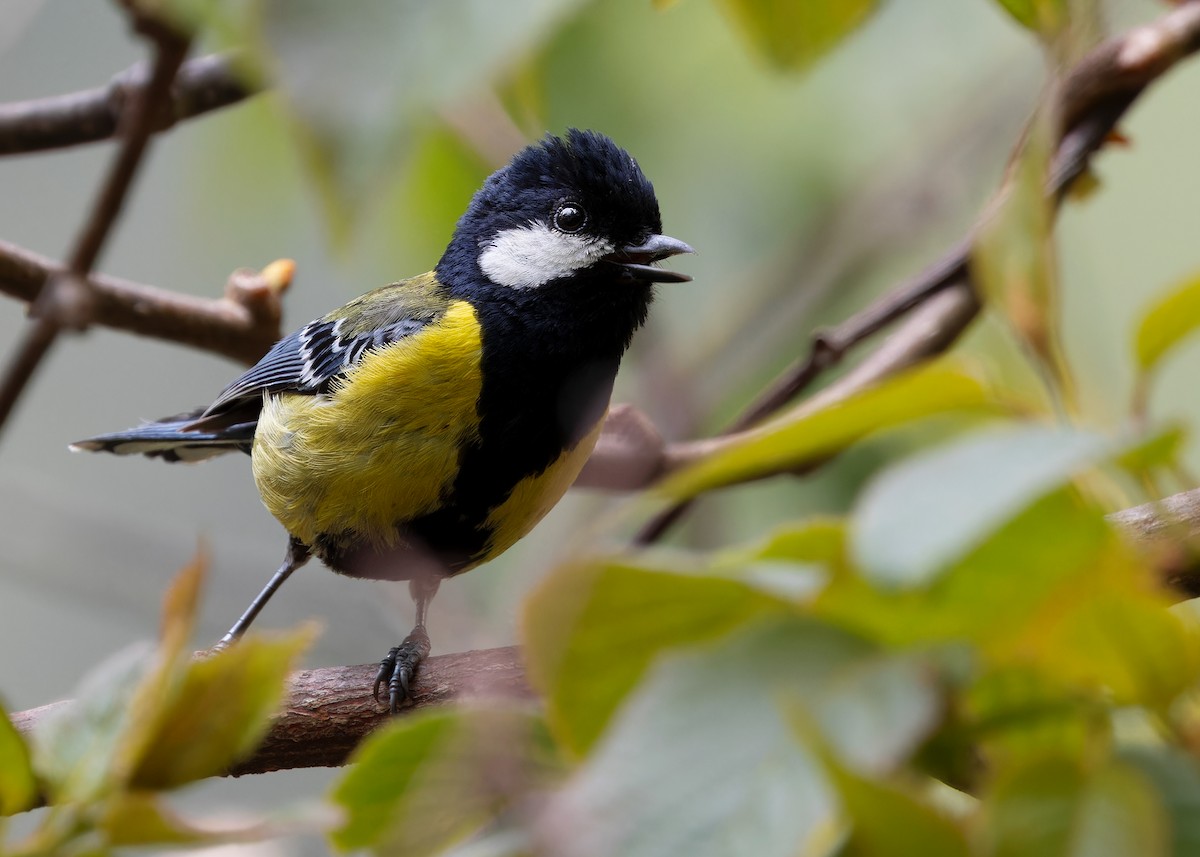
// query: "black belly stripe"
[[526, 424]]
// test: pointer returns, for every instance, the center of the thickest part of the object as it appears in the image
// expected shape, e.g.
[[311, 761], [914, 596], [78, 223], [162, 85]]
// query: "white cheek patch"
[[526, 257]]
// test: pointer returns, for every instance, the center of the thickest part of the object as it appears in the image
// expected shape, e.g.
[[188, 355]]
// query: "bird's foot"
[[397, 669]]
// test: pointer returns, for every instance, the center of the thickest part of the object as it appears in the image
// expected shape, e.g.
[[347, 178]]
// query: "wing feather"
[[310, 360]]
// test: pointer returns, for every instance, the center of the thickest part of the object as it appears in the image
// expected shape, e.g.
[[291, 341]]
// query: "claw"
[[386, 667], [398, 668]]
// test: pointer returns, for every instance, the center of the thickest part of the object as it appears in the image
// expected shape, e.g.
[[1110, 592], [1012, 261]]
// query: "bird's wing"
[[313, 357]]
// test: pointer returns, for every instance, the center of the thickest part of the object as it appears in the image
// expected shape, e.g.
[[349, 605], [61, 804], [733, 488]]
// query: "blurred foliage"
[[1040, 15], [1166, 324], [1067, 27], [147, 720], [789, 442], [423, 783], [794, 35], [1014, 261], [970, 661]]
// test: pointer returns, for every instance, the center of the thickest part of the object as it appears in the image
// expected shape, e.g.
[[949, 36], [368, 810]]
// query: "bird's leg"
[[297, 554], [401, 663]]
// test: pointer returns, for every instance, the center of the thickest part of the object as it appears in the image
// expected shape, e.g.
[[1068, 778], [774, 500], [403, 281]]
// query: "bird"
[[425, 427]]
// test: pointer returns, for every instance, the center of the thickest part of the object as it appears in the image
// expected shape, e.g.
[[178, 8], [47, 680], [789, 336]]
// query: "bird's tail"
[[177, 438]]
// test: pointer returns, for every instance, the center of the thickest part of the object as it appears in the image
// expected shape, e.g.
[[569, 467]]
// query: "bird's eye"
[[569, 217]]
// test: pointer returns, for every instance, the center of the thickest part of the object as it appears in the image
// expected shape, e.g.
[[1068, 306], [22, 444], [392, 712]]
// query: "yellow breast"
[[534, 496], [383, 446]]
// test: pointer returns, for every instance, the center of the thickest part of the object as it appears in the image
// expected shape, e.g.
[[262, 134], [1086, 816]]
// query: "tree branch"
[[202, 84], [329, 711], [140, 101], [66, 300], [1171, 529], [241, 326]]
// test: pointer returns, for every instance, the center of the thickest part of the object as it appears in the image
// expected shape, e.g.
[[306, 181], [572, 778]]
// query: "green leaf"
[[1041, 16], [18, 786], [180, 603], [217, 710], [788, 443], [889, 821], [90, 746], [1121, 638], [425, 782], [1015, 713], [930, 511], [794, 35], [702, 759], [78, 749], [819, 541], [1055, 808], [1157, 451], [1051, 587], [793, 563], [592, 630], [363, 80], [157, 718], [148, 699], [383, 771], [980, 599], [1167, 322], [878, 710], [139, 819], [1068, 28], [1176, 778], [1014, 258]]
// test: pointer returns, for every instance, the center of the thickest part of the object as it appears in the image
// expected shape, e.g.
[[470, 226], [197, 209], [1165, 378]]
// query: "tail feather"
[[171, 440]]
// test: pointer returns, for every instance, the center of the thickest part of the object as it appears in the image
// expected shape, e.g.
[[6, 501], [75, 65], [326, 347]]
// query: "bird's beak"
[[636, 260]]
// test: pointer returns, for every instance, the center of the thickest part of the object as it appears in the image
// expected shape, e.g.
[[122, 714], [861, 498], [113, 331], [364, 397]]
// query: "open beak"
[[636, 261]]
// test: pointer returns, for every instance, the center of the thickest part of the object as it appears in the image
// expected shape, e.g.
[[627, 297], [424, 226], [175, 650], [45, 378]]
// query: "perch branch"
[[1094, 96], [330, 710], [202, 84]]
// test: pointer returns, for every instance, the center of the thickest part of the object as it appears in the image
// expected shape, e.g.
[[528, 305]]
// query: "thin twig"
[[241, 326], [1094, 97], [202, 84], [66, 300]]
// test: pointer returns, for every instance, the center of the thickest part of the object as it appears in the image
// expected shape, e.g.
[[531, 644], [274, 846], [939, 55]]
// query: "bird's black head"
[[575, 210]]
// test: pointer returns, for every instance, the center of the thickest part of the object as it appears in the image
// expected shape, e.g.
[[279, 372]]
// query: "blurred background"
[[806, 193]]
